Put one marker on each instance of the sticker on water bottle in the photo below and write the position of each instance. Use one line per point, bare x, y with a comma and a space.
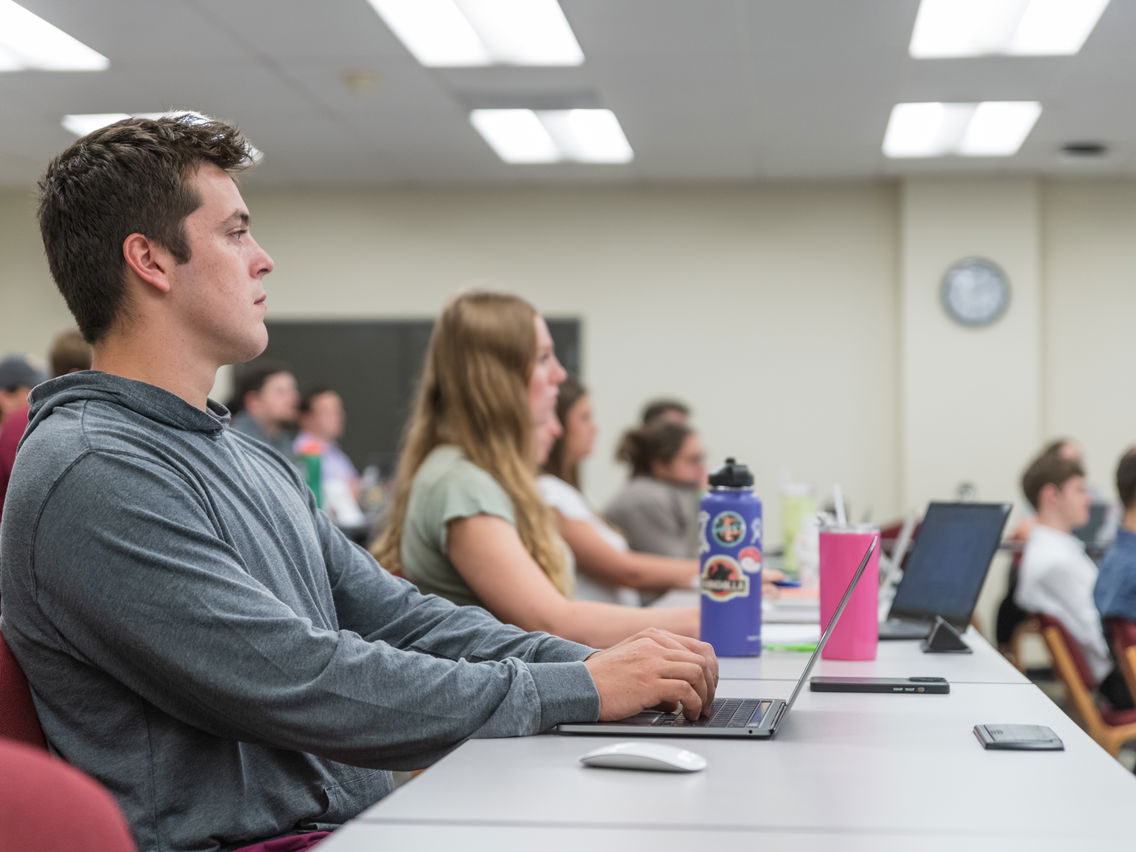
729, 529
755, 526
750, 558
703, 522
723, 579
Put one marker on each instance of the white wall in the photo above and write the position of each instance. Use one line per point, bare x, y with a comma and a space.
971, 396
771, 310
1088, 339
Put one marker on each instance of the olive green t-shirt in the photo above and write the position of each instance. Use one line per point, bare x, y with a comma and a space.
447, 486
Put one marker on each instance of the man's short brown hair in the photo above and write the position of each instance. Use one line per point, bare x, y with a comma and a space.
1048, 469
130, 177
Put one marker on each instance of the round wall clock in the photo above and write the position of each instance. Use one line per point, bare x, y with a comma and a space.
975, 292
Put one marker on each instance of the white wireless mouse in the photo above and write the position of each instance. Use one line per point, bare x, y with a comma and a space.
645, 755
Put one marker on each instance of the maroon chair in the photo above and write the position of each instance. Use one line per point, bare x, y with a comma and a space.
1122, 635
1110, 728
48, 806
18, 720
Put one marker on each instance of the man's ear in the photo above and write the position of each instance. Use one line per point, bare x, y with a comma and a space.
148, 260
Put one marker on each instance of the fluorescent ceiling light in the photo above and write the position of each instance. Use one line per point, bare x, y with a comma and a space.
517, 135
588, 135
987, 129
552, 136
83, 123
448, 33
998, 128
28, 42
954, 28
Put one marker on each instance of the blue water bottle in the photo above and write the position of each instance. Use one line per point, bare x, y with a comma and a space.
730, 561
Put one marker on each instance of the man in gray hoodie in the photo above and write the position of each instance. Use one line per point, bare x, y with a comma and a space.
195, 633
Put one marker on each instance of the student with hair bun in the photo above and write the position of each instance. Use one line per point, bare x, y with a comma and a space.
607, 569
467, 522
657, 510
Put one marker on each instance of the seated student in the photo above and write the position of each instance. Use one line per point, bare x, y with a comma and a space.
265, 404
1010, 615
195, 633
1115, 591
1056, 576
606, 569
466, 521
657, 510
322, 421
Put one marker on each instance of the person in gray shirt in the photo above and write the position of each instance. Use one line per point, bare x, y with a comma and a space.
657, 510
195, 633
266, 404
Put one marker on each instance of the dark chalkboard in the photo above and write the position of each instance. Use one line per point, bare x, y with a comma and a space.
374, 365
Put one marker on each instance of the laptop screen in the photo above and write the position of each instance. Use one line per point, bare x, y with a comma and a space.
836, 613
949, 561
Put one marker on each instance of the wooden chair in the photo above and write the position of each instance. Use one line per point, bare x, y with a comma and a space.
1110, 728
18, 720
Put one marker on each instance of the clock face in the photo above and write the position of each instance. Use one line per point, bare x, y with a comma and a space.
975, 292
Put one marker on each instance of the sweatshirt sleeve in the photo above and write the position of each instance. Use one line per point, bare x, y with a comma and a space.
148, 592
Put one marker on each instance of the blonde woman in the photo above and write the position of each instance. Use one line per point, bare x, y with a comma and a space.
467, 522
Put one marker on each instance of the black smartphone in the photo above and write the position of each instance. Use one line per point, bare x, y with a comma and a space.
916, 685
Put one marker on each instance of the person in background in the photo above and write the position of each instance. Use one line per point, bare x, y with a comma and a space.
665, 410
657, 510
467, 521
322, 421
69, 353
265, 404
607, 570
1115, 590
1056, 576
1010, 616
197, 635
17, 378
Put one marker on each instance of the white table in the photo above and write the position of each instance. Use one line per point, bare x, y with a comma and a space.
901, 658
373, 836
843, 764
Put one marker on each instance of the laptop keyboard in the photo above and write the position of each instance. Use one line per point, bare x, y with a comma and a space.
724, 713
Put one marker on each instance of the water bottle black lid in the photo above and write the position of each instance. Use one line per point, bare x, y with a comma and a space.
731, 475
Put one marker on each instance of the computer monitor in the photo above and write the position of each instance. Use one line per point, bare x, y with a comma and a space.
949, 561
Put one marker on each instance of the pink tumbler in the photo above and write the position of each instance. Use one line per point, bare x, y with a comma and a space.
858, 631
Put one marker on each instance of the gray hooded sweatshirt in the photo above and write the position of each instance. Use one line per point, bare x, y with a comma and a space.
200, 639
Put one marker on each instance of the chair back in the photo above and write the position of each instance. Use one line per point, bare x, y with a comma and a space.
18, 720
48, 806
1072, 668
1122, 634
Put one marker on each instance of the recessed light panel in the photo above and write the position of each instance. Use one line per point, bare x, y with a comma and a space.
516, 135
28, 42
552, 136
987, 129
455, 33
958, 28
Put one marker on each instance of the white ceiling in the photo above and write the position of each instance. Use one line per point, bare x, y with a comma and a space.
704, 89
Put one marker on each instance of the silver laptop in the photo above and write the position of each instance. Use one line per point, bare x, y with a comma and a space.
729, 717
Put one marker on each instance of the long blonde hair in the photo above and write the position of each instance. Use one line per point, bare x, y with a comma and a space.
474, 394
